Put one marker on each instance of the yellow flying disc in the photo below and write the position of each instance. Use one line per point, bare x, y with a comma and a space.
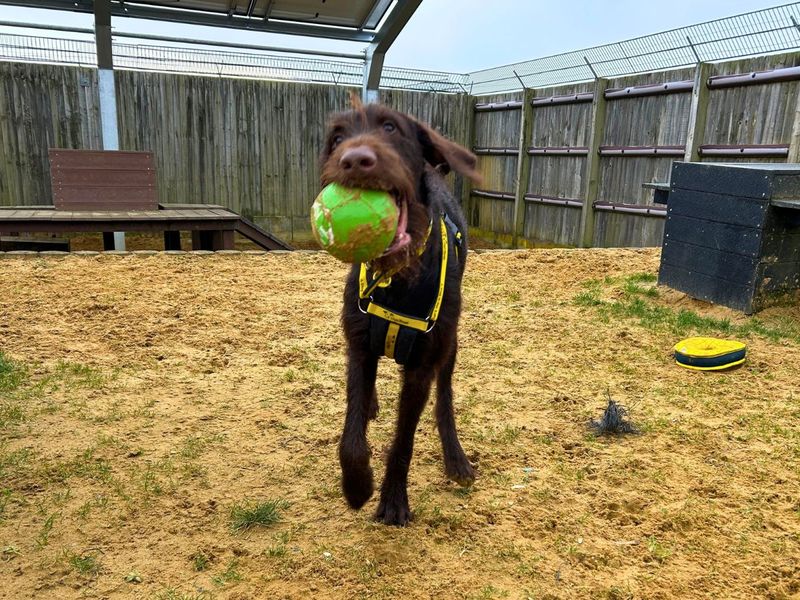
709, 354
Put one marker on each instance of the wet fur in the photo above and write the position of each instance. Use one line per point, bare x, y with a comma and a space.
410, 160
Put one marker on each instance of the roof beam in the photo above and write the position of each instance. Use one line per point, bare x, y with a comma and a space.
383, 39
394, 24
192, 17
376, 14
268, 9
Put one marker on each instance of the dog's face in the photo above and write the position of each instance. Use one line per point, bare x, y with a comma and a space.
375, 147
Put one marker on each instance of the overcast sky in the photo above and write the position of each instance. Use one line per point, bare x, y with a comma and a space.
467, 35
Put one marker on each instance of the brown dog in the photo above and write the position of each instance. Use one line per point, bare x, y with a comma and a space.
405, 304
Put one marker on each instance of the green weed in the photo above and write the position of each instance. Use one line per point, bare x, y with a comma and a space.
230, 574
247, 515
85, 564
200, 561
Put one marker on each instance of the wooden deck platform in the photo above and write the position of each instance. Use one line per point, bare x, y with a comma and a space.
212, 226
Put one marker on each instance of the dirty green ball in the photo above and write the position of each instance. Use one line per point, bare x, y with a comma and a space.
352, 224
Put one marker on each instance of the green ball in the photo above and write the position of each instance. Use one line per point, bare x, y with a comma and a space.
352, 224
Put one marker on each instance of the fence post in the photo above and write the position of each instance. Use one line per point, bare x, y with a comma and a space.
469, 142
523, 165
592, 168
794, 142
698, 112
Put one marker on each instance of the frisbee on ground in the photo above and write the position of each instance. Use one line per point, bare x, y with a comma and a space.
709, 354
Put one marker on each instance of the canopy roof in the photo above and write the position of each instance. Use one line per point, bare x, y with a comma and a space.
364, 21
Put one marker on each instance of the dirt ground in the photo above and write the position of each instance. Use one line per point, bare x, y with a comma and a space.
145, 397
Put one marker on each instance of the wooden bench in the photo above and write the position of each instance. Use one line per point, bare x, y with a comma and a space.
102, 181
110, 191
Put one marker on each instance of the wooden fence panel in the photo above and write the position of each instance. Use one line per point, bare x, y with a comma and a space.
42, 106
253, 145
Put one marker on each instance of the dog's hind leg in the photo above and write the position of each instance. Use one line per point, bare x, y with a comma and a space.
456, 464
393, 507
354, 454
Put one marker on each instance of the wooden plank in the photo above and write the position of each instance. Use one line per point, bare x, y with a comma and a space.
732, 267
92, 179
523, 167
723, 208
698, 112
749, 183
785, 203
705, 287
710, 234
592, 166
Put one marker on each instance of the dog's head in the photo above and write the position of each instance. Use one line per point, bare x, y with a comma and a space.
372, 146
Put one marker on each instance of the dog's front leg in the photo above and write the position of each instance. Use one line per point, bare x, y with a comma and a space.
393, 508
357, 483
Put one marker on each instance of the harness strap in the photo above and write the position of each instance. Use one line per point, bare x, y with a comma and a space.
394, 333
367, 287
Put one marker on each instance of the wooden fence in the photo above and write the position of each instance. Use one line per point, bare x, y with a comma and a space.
250, 145
566, 165
561, 165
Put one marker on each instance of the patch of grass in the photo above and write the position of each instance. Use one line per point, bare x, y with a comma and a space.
171, 593
489, 592
10, 552
635, 288
76, 375
85, 564
43, 538
657, 549
637, 294
591, 298
200, 561
230, 574
5, 498
246, 515
506, 435
278, 550
12, 374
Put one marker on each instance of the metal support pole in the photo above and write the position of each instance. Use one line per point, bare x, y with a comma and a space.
592, 169
698, 113
373, 66
106, 88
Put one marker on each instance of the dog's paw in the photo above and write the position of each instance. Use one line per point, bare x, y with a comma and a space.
460, 471
357, 487
393, 511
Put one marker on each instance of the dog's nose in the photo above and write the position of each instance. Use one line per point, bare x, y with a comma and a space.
360, 158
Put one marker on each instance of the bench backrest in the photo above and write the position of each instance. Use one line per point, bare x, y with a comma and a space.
103, 180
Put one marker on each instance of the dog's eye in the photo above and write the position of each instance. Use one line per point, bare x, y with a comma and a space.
389, 127
337, 139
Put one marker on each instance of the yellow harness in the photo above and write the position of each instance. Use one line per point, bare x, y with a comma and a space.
371, 284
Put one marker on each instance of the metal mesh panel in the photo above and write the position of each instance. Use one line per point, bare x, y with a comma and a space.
223, 63
760, 32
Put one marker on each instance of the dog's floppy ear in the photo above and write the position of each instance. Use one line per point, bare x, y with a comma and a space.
445, 155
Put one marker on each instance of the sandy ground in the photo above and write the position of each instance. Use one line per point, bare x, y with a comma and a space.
155, 393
